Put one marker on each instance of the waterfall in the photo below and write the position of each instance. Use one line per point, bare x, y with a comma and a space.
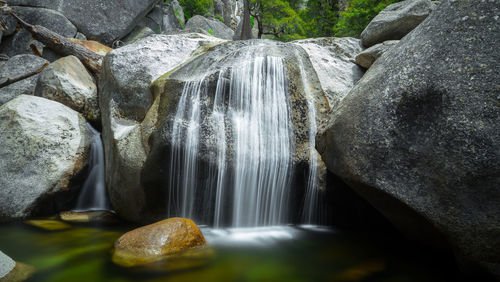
313, 201
93, 195
254, 145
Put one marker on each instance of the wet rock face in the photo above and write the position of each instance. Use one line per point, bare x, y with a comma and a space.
157, 241
209, 68
125, 99
44, 148
395, 21
418, 135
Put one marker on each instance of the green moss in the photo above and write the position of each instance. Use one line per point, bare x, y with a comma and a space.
219, 17
211, 31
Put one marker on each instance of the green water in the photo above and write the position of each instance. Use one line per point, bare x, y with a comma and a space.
82, 253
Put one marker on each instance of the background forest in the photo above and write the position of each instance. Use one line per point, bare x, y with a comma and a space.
297, 19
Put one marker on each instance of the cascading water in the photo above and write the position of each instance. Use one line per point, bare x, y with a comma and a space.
94, 195
313, 204
254, 169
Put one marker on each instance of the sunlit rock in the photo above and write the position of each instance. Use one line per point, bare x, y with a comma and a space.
157, 241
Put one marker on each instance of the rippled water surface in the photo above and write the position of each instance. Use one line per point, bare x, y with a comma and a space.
306, 253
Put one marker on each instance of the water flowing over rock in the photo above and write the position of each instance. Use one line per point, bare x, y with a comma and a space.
242, 112
395, 21
124, 100
93, 195
44, 149
418, 135
68, 82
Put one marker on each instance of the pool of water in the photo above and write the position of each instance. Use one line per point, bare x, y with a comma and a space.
302, 253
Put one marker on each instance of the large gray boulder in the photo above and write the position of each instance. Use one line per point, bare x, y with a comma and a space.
125, 99
418, 136
44, 149
173, 17
15, 68
367, 57
50, 19
212, 26
332, 60
101, 20
395, 21
68, 82
6, 264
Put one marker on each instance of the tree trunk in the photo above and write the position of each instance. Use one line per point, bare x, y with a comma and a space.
246, 26
62, 45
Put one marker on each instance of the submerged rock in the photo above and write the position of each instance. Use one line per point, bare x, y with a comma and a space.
418, 136
48, 224
88, 216
68, 82
395, 21
44, 148
212, 26
368, 56
157, 241
124, 100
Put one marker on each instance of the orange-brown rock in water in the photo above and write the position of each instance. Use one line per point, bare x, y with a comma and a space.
157, 241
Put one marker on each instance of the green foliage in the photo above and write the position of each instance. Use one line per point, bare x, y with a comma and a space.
219, 17
211, 31
278, 19
252, 21
358, 15
196, 7
320, 17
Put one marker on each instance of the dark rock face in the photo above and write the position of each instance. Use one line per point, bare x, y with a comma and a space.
395, 21
418, 136
104, 21
50, 19
366, 58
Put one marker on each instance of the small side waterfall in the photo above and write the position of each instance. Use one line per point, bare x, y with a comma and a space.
254, 145
93, 195
313, 207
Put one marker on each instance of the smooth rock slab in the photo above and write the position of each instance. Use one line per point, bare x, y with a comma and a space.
366, 58
44, 147
395, 21
157, 241
68, 82
332, 61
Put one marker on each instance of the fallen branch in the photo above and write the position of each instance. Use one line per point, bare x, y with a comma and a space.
60, 44
9, 81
